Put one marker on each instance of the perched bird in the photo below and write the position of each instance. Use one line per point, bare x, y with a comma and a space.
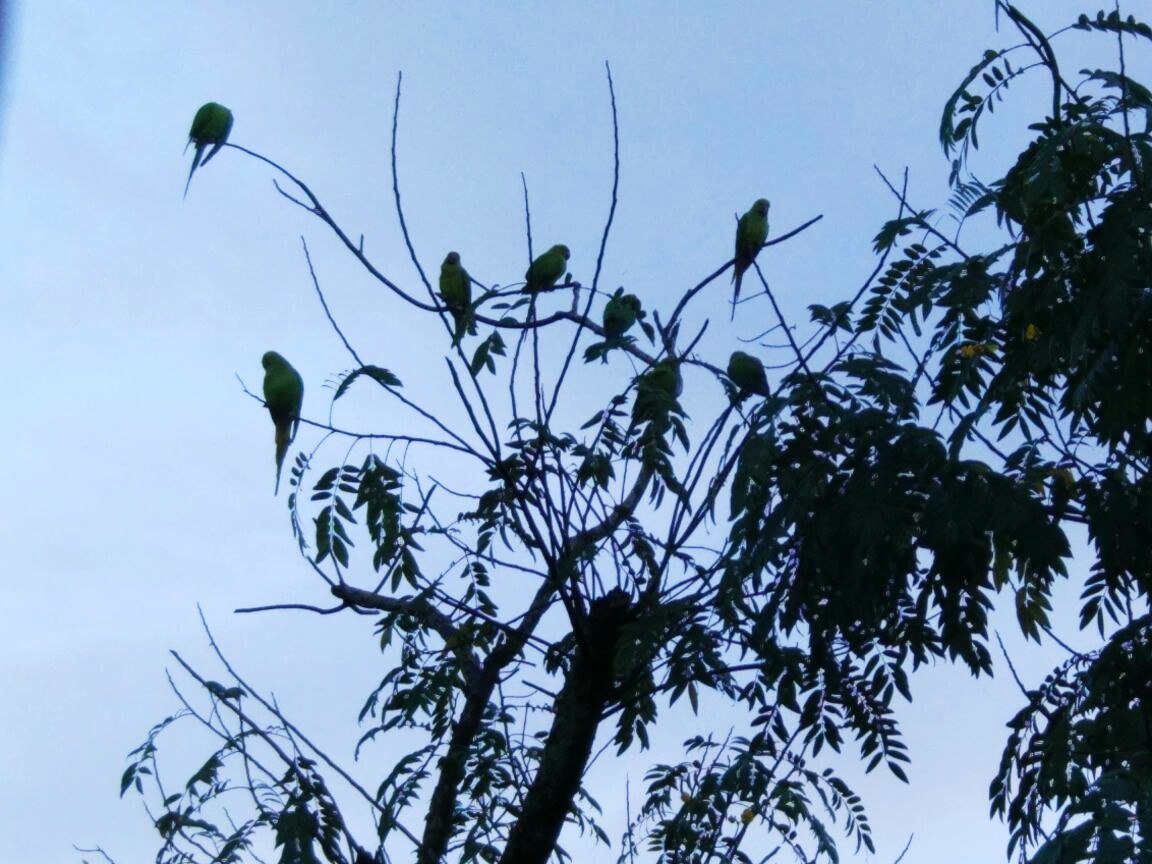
211, 125
546, 269
456, 292
664, 378
284, 397
751, 232
656, 393
620, 313
747, 373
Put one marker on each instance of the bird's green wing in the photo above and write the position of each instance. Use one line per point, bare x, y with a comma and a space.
210, 127
747, 373
751, 232
456, 291
546, 269
620, 313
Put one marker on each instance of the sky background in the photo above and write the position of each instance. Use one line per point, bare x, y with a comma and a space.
137, 476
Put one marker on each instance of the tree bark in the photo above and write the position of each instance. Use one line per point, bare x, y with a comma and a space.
579, 708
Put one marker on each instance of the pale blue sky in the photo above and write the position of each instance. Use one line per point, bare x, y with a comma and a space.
137, 477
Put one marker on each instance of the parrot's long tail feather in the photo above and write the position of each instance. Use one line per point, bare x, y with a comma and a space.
212, 152
282, 442
189, 181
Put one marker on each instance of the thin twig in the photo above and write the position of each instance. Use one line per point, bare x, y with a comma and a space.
324, 303
699, 286
351, 781
373, 436
1011, 667
396, 196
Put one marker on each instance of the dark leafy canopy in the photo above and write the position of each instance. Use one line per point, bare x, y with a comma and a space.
883, 495
1045, 340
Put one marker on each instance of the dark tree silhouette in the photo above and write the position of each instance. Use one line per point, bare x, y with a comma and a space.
795, 554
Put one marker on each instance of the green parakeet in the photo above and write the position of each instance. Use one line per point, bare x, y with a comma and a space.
284, 397
456, 292
656, 392
747, 373
665, 378
211, 125
751, 232
546, 269
620, 313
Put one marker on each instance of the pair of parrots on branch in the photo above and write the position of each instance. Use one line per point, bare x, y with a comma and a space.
456, 284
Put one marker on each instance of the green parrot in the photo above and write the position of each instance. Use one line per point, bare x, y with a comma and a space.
620, 313
656, 392
747, 373
211, 125
284, 397
456, 292
664, 378
751, 232
546, 269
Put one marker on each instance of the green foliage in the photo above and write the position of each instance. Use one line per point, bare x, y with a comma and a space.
1111, 22
378, 374
486, 353
704, 807
1080, 749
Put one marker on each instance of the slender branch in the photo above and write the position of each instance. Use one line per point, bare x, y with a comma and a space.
280, 607
396, 196
351, 781
493, 445
1134, 159
600, 255
799, 355
372, 436
831, 329
1043, 47
615, 180
527, 216
699, 286
314, 207
324, 303
943, 238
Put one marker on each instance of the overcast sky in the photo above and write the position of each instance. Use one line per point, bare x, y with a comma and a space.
137, 476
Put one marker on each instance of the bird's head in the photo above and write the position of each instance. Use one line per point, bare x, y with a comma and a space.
562, 249
270, 359
452, 258
761, 206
